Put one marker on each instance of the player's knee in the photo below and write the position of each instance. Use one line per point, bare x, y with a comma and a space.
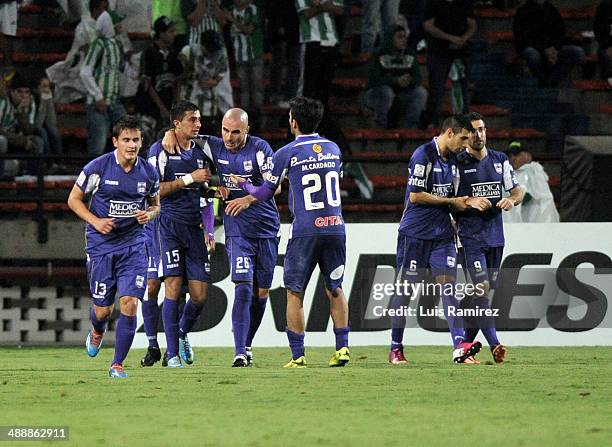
173, 286
103, 313
243, 291
129, 305
335, 293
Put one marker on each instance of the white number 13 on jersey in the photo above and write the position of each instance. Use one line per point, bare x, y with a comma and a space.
313, 185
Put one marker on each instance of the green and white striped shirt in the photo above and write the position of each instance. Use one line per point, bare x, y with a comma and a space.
247, 46
7, 114
319, 28
105, 58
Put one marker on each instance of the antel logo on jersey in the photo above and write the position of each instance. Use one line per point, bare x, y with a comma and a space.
413, 181
316, 148
120, 208
328, 221
490, 190
442, 190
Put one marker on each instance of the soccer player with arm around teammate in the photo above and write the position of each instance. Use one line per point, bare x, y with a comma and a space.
117, 185
251, 226
482, 173
313, 165
426, 236
183, 251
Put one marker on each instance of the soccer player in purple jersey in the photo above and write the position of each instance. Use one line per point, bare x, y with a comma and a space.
313, 165
482, 173
116, 185
251, 226
426, 236
182, 242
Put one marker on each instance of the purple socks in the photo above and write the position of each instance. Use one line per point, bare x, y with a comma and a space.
241, 315
124, 335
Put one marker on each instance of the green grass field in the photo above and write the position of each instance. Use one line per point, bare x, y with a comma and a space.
540, 397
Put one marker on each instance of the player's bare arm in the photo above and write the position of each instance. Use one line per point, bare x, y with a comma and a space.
145, 216
201, 175
516, 197
425, 198
479, 203
77, 204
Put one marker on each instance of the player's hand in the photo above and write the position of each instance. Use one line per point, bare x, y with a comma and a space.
104, 225
222, 192
201, 175
505, 204
479, 203
237, 206
170, 143
101, 106
237, 180
143, 217
209, 240
460, 203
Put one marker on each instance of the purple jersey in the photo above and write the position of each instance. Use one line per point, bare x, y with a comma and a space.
260, 220
184, 205
428, 173
313, 166
116, 194
483, 178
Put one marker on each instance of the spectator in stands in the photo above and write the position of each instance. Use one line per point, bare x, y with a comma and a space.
538, 204
66, 74
100, 74
160, 70
378, 16
207, 15
394, 83
247, 40
205, 65
172, 10
283, 34
539, 35
8, 28
318, 35
414, 12
603, 35
46, 120
449, 25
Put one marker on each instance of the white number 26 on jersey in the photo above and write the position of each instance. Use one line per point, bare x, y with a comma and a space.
313, 185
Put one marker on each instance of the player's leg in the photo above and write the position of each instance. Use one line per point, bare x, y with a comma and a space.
470, 324
299, 263
131, 271
443, 262
150, 307
332, 259
102, 285
493, 258
241, 255
197, 270
265, 262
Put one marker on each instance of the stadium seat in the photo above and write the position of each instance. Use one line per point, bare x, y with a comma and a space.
591, 84
606, 109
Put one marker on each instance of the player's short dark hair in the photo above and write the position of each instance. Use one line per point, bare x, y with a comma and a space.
456, 123
475, 116
127, 122
178, 110
95, 4
307, 112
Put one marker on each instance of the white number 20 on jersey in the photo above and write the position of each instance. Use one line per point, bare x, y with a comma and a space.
313, 185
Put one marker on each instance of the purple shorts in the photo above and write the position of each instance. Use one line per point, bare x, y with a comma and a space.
252, 259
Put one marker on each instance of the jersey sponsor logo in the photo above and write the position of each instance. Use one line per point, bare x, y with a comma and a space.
420, 182
328, 221
442, 190
320, 157
469, 171
490, 190
248, 165
231, 185
142, 187
272, 178
223, 162
111, 182
498, 167
419, 170
81, 179
317, 148
120, 208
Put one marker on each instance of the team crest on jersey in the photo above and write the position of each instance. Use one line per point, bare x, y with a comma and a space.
450, 261
317, 148
139, 281
200, 163
248, 165
142, 187
498, 167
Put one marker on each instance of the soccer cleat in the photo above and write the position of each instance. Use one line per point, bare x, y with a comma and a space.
240, 361
93, 342
172, 362
185, 350
116, 371
499, 353
465, 350
300, 362
340, 358
152, 356
249, 355
471, 361
396, 357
